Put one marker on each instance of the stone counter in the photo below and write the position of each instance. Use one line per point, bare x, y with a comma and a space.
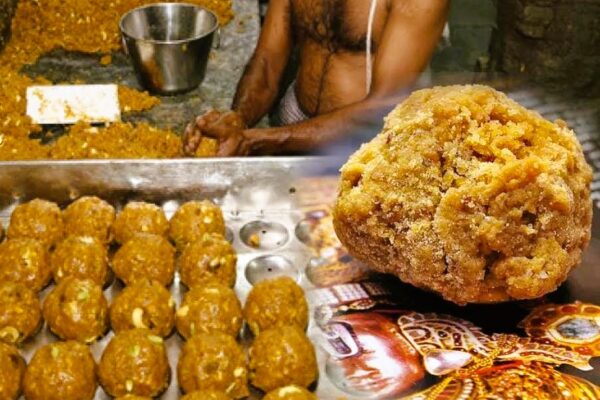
226, 64
555, 43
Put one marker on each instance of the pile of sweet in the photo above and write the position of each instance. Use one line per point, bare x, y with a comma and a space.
88, 26
83, 247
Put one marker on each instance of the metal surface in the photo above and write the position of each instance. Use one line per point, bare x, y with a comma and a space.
253, 193
169, 44
242, 183
270, 266
264, 235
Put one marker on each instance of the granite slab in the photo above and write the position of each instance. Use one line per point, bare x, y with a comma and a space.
226, 64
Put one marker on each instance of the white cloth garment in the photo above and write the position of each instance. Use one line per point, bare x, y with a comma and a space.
289, 111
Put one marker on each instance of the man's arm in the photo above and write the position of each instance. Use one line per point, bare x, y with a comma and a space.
412, 31
258, 88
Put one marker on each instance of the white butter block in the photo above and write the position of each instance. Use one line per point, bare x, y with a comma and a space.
68, 104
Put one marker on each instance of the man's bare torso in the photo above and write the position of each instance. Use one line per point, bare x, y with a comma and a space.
331, 35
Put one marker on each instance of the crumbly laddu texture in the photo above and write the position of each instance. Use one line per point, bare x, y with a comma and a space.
209, 308
21, 149
291, 392
61, 371
208, 147
468, 194
25, 261
13, 104
83, 257
19, 135
117, 140
282, 356
20, 314
206, 395
193, 220
208, 260
131, 100
87, 26
90, 216
213, 361
40, 26
276, 302
11, 373
145, 256
37, 219
144, 304
139, 217
76, 309
135, 362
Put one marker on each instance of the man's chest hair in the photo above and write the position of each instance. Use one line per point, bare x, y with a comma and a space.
337, 24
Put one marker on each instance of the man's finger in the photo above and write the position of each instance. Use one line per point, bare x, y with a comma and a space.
188, 131
228, 148
217, 131
191, 139
232, 118
212, 116
200, 122
191, 146
187, 149
211, 133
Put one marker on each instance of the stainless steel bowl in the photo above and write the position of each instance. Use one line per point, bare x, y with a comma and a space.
169, 44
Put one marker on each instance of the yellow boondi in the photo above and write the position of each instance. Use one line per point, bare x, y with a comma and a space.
16, 128
14, 149
468, 194
88, 26
120, 140
131, 100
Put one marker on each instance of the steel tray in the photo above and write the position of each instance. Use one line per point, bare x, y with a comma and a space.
257, 195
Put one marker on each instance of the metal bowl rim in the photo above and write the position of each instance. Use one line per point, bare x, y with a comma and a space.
179, 41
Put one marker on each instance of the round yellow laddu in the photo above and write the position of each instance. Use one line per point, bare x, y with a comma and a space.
470, 195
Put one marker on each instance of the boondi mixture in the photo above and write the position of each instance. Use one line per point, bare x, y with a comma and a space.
87, 26
119, 140
468, 194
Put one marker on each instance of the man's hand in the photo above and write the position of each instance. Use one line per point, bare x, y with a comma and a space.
227, 128
193, 132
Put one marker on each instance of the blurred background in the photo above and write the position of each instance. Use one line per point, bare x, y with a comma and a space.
550, 42
543, 53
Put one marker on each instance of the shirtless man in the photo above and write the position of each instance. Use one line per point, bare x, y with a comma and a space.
338, 87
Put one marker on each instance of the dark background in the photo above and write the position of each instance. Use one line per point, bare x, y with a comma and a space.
555, 43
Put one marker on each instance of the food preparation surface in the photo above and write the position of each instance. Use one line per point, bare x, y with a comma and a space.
225, 66
286, 255
258, 199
